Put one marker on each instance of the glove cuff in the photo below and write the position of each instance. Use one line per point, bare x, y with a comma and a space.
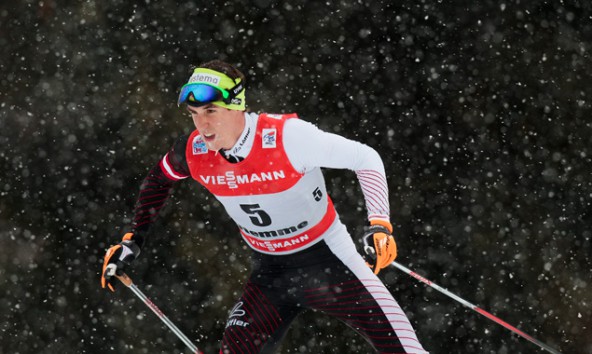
383, 223
131, 247
368, 237
134, 236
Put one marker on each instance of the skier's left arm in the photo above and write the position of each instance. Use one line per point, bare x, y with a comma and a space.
308, 147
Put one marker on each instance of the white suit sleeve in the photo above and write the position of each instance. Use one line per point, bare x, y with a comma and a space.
308, 147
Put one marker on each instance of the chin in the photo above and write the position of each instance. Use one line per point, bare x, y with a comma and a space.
211, 147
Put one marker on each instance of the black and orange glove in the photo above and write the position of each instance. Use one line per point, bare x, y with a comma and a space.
118, 256
379, 244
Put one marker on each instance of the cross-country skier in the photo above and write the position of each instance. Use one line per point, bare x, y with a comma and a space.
265, 169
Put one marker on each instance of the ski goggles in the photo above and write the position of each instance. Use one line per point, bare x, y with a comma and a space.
207, 86
200, 94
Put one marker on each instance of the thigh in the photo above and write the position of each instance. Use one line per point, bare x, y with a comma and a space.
257, 323
356, 296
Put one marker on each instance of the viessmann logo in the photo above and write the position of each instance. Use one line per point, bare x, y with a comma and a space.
232, 180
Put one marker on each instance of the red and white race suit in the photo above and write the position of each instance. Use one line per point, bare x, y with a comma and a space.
304, 257
278, 209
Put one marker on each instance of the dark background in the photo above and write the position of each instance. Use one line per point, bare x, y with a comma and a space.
480, 110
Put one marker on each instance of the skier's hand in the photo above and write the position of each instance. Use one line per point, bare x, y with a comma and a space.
117, 257
379, 244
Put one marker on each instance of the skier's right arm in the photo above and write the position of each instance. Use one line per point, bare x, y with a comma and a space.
154, 192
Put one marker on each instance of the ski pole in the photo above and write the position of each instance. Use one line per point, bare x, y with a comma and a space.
475, 308
127, 281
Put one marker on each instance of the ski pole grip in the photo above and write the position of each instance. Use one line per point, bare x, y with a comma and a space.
127, 281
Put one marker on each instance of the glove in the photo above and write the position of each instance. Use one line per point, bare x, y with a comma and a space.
118, 256
379, 244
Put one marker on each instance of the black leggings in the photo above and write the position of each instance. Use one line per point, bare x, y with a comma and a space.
281, 287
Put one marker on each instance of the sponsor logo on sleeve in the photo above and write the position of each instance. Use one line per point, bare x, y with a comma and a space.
269, 138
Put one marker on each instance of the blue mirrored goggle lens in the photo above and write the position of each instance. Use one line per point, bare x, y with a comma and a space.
198, 94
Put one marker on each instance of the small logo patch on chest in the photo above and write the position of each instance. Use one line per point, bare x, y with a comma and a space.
269, 138
198, 146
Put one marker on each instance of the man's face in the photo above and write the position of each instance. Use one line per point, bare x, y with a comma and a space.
219, 127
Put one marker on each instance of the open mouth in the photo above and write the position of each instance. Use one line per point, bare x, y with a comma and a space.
209, 137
